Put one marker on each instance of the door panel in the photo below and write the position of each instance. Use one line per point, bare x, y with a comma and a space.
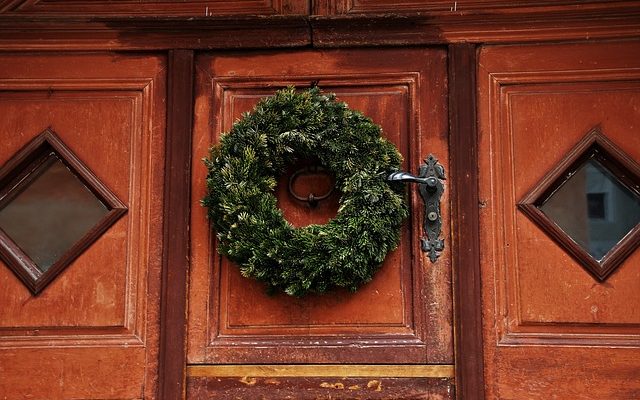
551, 329
101, 312
404, 314
321, 315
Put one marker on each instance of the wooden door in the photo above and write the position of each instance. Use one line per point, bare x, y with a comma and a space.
90, 329
555, 328
402, 317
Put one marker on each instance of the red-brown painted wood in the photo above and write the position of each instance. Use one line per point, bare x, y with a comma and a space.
97, 322
501, 25
405, 314
339, 7
550, 328
373, 388
188, 8
466, 242
577, 21
594, 145
560, 322
20, 170
175, 258
158, 33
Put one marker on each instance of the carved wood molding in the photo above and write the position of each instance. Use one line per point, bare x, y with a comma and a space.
42, 32
128, 7
345, 7
503, 86
22, 171
227, 338
466, 238
488, 27
141, 95
220, 331
594, 146
153, 33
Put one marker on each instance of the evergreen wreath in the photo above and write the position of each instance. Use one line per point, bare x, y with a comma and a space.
252, 231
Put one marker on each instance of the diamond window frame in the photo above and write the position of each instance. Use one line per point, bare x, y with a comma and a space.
23, 168
594, 146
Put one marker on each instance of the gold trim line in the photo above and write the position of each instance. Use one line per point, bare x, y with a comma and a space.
326, 370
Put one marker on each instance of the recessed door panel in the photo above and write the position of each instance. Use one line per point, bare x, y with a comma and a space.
250, 311
71, 339
559, 126
404, 314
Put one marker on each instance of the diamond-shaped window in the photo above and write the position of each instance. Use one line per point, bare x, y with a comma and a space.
590, 204
52, 207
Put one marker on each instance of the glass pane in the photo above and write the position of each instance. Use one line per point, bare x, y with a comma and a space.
594, 209
51, 213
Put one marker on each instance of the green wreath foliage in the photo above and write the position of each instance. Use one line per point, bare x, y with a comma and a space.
252, 232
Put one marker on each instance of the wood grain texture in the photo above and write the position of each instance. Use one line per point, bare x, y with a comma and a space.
74, 373
254, 313
404, 314
153, 8
26, 110
336, 7
487, 25
465, 238
162, 33
175, 258
301, 388
550, 328
101, 313
596, 146
614, 19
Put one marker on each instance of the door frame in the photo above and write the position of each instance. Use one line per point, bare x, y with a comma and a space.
465, 213
463, 136
176, 214
614, 20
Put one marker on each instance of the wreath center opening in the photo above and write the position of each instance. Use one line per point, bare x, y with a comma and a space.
307, 194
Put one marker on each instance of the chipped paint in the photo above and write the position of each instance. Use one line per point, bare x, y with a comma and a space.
248, 380
375, 384
337, 385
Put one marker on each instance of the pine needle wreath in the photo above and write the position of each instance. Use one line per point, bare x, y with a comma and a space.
251, 229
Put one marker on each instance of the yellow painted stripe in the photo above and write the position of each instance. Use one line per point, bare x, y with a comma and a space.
327, 370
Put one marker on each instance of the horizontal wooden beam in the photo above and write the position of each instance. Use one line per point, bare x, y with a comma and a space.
152, 33
490, 26
322, 370
617, 20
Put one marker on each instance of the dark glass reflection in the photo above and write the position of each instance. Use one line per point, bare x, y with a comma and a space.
594, 209
52, 213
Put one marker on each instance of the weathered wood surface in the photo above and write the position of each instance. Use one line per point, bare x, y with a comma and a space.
73, 339
552, 330
281, 388
404, 315
84, 30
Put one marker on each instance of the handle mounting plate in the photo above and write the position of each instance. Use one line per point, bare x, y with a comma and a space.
430, 184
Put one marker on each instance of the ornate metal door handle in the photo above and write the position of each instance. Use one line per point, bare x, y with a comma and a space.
429, 180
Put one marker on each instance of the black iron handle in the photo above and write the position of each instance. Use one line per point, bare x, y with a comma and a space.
429, 180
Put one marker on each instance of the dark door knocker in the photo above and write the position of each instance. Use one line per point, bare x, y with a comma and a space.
429, 180
311, 199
